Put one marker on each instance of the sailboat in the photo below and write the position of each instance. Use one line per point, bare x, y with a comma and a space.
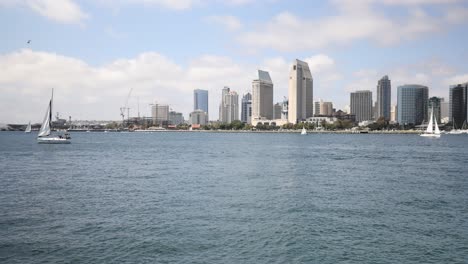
44, 136
454, 130
303, 131
28, 128
430, 131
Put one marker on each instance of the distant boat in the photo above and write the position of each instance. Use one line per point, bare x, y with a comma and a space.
44, 136
464, 128
430, 131
304, 131
28, 128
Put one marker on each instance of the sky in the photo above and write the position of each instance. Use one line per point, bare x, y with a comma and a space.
93, 52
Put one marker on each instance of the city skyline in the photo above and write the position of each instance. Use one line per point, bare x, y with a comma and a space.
92, 56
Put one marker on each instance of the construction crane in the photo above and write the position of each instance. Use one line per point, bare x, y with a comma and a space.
122, 109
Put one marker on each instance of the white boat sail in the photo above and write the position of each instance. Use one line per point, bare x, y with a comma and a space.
44, 135
28, 128
430, 131
454, 130
304, 131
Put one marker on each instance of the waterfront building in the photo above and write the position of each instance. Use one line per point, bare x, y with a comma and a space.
200, 100
361, 105
323, 108
277, 110
412, 104
198, 117
175, 118
246, 108
384, 96
229, 107
284, 109
435, 104
458, 104
160, 114
444, 111
393, 113
301, 103
317, 108
262, 96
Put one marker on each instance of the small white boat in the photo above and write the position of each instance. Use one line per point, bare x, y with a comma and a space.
303, 131
44, 136
430, 131
28, 128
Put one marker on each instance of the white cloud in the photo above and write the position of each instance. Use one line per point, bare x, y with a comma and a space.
87, 92
230, 22
64, 11
355, 20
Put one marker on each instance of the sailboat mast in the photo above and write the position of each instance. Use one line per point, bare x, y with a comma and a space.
50, 111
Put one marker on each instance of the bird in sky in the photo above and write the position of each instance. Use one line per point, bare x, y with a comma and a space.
29, 41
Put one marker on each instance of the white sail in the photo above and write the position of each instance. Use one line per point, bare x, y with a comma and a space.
304, 131
429, 126
28, 128
437, 131
45, 128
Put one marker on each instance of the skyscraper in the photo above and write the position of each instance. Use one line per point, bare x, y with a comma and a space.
301, 103
384, 96
246, 108
200, 100
262, 96
361, 105
458, 104
229, 107
277, 110
412, 104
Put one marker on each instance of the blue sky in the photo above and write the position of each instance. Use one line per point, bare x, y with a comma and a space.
93, 52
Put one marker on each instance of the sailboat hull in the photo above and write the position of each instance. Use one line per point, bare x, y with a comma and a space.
53, 140
430, 135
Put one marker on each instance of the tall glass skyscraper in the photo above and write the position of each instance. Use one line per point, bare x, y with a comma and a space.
412, 104
262, 96
200, 100
246, 108
458, 111
384, 96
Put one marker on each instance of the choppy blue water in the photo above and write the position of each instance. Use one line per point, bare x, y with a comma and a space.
234, 198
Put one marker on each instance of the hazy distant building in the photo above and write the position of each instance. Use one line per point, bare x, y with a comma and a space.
160, 114
229, 107
176, 118
458, 111
277, 110
317, 108
301, 103
384, 97
246, 108
262, 96
198, 117
444, 111
412, 104
200, 100
435, 104
393, 113
361, 105
323, 108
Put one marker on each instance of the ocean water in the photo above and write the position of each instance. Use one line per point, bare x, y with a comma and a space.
234, 198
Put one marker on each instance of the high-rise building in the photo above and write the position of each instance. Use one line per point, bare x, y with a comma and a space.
434, 103
458, 104
160, 114
262, 96
200, 100
175, 118
246, 108
198, 117
361, 105
412, 104
229, 107
384, 97
284, 110
444, 111
394, 113
277, 110
301, 101
317, 108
